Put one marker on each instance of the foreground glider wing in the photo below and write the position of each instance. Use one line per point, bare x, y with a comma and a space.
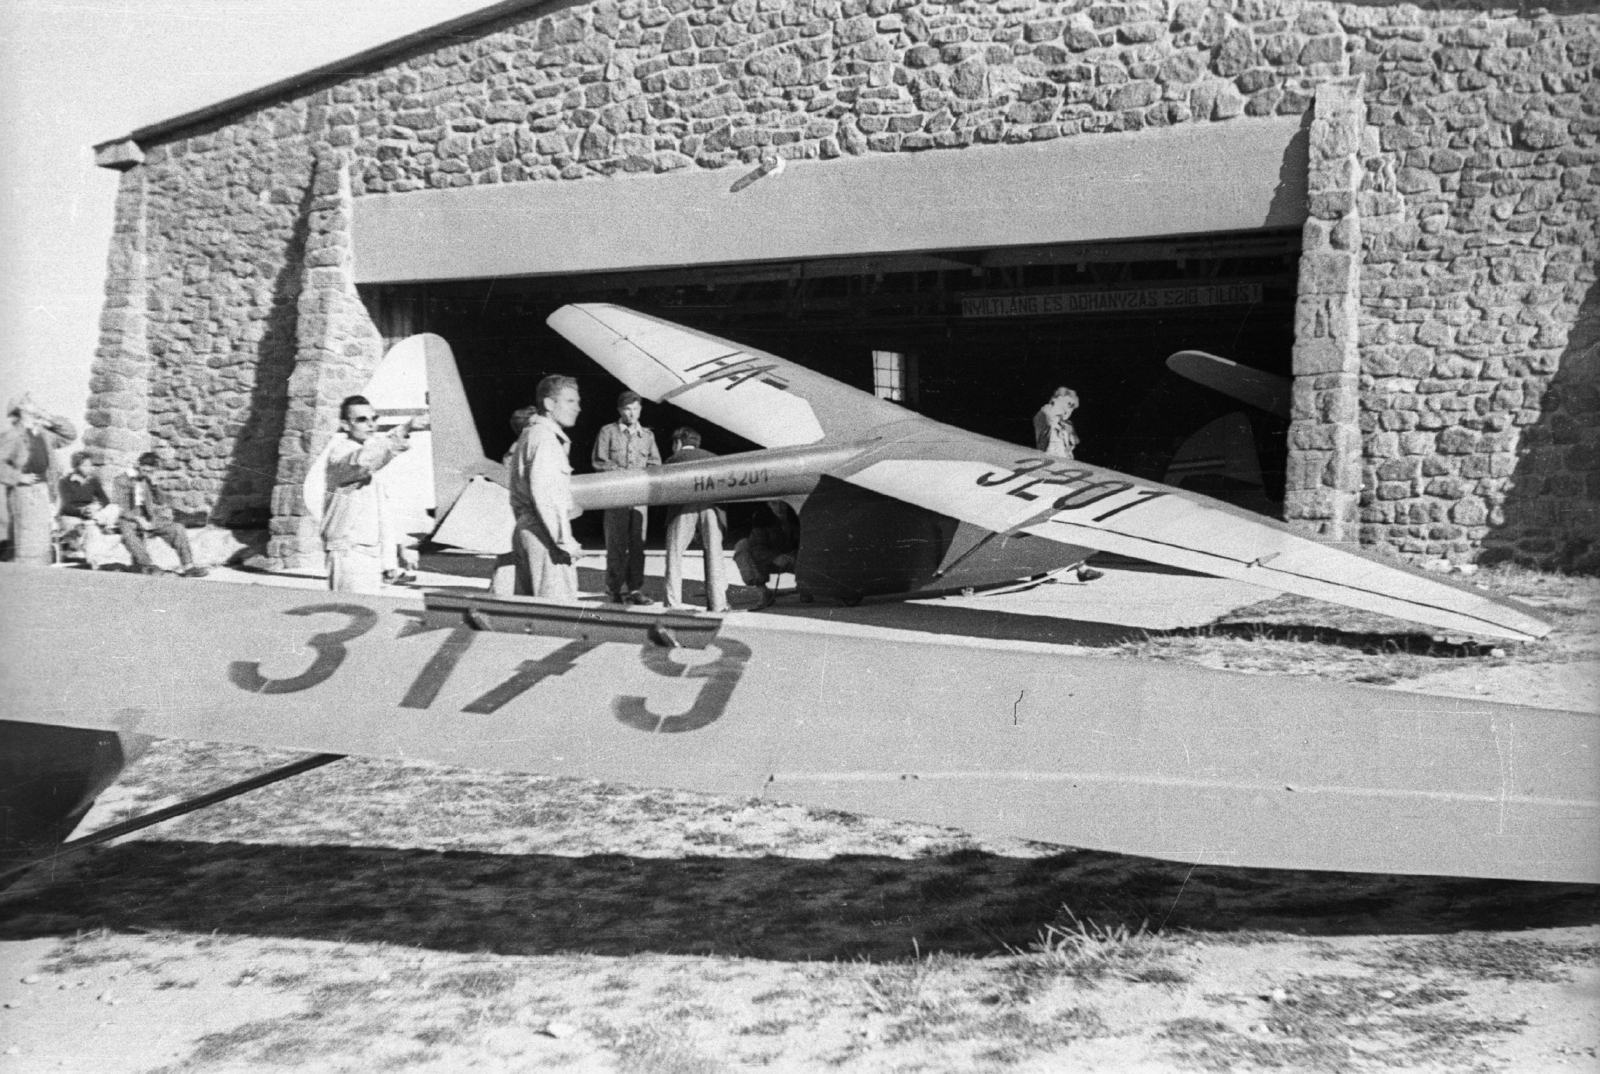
1002, 738
1005, 489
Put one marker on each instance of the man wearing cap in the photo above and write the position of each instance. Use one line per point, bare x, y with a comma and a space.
28, 473
625, 444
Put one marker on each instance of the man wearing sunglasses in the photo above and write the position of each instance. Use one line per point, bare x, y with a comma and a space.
354, 524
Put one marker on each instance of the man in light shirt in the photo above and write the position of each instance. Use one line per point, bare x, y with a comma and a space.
354, 522
539, 469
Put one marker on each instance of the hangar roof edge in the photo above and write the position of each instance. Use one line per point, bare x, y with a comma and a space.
365, 58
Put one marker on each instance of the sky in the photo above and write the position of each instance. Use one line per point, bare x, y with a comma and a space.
77, 72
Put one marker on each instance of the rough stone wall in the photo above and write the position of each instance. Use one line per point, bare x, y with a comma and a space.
657, 86
1478, 208
199, 334
338, 349
1323, 479
1461, 108
119, 389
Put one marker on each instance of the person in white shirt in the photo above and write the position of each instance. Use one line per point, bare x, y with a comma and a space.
539, 470
354, 522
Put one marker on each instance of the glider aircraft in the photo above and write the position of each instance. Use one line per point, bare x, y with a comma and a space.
992, 736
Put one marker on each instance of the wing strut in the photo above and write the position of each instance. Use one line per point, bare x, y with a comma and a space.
105, 835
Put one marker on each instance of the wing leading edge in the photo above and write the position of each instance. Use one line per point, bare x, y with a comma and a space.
1005, 489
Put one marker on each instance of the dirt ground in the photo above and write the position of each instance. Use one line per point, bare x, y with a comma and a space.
385, 916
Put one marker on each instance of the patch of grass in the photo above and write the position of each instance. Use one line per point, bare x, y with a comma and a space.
899, 988
89, 948
653, 1049
1019, 1037
1190, 1029
477, 983
944, 887
767, 1027
1489, 958
230, 1045
773, 995
1158, 975
173, 983
1086, 952
1338, 1025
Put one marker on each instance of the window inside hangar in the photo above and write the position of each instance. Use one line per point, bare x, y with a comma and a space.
975, 338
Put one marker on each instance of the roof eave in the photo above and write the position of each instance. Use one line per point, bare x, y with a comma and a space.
110, 154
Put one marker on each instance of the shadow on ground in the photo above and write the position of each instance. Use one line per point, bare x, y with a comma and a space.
772, 908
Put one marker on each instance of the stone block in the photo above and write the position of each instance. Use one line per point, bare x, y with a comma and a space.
1400, 469
1236, 54
1538, 130
1418, 442
1328, 273
1316, 356
1458, 440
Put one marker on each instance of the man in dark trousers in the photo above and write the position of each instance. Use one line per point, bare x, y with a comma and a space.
684, 522
144, 509
625, 444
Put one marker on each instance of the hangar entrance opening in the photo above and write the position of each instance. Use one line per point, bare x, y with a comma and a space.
978, 339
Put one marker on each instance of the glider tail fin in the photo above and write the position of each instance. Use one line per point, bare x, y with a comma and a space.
457, 449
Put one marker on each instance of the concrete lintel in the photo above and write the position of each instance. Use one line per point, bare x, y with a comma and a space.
119, 156
1209, 177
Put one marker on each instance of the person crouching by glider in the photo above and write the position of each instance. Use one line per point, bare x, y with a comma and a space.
353, 519
770, 550
539, 472
143, 508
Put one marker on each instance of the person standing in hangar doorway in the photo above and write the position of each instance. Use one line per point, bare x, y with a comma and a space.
683, 522
354, 522
1053, 433
626, 444
539, 472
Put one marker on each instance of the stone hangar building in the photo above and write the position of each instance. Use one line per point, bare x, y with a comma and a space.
960, 205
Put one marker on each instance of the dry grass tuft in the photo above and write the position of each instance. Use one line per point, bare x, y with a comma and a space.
1504, 958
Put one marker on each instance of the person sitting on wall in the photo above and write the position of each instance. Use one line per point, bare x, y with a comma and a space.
354, 522
86, 511
625, 444
28, 472
144, 508
1053, 433
683, 522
